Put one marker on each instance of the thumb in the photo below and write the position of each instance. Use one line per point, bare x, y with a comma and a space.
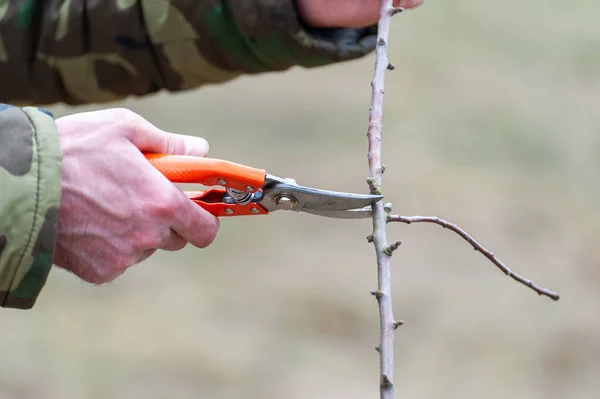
410, 3
179, 144
149, 138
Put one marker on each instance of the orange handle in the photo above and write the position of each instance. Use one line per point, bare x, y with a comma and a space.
207, 171
220, 209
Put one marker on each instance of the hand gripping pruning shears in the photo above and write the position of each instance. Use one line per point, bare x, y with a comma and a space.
251, 191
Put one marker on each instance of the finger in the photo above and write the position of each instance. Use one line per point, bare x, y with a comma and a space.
410, 3
149, 138
174, 144
194, 224
344, 13
173, 242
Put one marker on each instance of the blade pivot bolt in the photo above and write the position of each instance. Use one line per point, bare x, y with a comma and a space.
221, 182
228, 211
286, 202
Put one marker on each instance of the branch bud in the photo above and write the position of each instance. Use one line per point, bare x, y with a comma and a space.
386, 382
377, 294
396, 10
397, 324
375, 189
390, 250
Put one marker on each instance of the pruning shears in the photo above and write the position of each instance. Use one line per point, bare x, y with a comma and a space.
250, 191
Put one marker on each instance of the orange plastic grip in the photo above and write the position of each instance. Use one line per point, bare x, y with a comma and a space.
207, 171
220, 209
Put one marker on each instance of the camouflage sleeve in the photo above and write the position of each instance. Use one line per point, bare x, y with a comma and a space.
84, 51
30, 170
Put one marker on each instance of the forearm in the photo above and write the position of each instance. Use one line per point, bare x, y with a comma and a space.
30, 170
84, 52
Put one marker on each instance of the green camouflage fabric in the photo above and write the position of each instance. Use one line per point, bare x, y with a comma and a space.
30, 168
81, 52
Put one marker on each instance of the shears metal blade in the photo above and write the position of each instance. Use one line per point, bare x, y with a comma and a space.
251, 191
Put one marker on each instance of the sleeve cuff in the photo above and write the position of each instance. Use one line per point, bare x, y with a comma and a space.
34, 262
278, 38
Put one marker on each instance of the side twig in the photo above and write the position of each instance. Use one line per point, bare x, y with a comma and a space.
379, 238
477, 247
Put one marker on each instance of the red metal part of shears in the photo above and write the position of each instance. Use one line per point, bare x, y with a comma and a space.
251, 191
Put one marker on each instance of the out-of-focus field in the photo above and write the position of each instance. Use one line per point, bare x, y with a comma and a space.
492, 120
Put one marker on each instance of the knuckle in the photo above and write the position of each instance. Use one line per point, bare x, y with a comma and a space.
127, 120
164, 206
124, 261
145, 239
102, 266
123, 115
102, 274
171, 144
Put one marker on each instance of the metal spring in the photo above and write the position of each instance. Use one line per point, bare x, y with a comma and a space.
240, 197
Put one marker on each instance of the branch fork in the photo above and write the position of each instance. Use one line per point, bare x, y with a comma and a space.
380, 211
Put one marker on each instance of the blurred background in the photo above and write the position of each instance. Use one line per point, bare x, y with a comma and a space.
492, 120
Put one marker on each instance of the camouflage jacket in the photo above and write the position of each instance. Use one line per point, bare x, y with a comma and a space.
78, 52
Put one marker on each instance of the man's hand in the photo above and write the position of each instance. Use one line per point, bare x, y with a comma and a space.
345, 13
116, 209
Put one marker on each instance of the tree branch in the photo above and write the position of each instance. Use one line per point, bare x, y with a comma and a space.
379, 239
477, 247
380, 211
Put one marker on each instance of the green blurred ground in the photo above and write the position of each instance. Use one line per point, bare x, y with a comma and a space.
491, 120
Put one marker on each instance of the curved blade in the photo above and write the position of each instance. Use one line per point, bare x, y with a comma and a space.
311, 200
358, 213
